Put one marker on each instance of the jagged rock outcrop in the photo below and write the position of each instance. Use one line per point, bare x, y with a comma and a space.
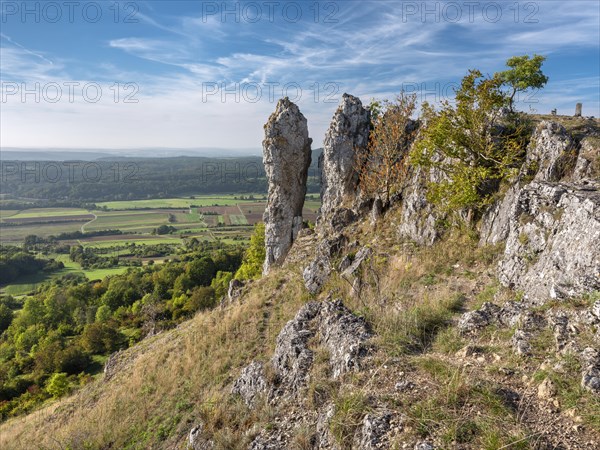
553, 247
341, 333
251, 383
286, 156
590, 378
346, 138
419, 219
587, 166
551, 154
374, 428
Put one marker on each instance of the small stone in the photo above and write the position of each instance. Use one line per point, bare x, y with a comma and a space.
546, 390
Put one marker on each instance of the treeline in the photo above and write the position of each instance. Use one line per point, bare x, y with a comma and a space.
16, 262
79, 183
49, 343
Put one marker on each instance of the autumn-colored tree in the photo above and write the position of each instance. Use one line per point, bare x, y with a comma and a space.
382, 166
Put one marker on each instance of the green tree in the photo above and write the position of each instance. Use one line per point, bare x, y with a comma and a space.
201, 271
524, 73
6, 317
100, 338
472, 143
103, 314
254, 257
220, 283
58, 385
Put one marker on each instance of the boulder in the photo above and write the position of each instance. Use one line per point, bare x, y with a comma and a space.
286, 156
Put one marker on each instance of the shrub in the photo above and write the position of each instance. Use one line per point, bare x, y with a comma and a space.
58, 385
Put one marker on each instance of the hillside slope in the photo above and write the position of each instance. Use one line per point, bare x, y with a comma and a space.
365, 339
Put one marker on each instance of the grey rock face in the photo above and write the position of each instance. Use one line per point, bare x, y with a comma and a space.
587, 166
197, 441
418, 215
344, 335
373, 430
590, 378
235, 290
251, 383
551, 155
292, 358
496, 220
520, 343
286, 156
473, 321
550, 152
361, 256
553, 247
347, 136
316, 274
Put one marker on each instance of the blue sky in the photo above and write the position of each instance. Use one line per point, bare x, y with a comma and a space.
193, 74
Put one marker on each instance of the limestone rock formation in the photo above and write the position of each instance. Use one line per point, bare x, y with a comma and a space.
553, 247
418, 215
343, 334
251, 383
347, 136
551, 151
286, 156
550, 156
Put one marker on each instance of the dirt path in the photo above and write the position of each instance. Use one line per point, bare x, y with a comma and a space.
87, 223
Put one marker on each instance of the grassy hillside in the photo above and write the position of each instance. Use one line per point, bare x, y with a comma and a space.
460, 395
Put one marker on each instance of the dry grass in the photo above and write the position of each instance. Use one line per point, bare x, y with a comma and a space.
173, 380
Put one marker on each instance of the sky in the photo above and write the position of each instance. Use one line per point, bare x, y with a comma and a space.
195, 74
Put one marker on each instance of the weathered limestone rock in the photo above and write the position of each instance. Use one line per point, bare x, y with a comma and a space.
553, 247
587, 166
419, 218
590, 379
343, 334
234, 291
473, 321
286, 156
373, 431
251, 383
550, 156
550, 152
197, 440
347, 136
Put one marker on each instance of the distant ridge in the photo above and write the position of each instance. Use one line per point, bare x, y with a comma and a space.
57, 154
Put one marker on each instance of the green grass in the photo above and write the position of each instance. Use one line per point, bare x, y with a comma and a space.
16, 233
238, 219
49, 212
221, 200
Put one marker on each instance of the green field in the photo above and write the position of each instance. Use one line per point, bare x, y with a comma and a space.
48, 212
142, 217
220, 200
28, 284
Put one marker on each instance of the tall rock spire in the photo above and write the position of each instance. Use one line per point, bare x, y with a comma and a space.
287, 157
